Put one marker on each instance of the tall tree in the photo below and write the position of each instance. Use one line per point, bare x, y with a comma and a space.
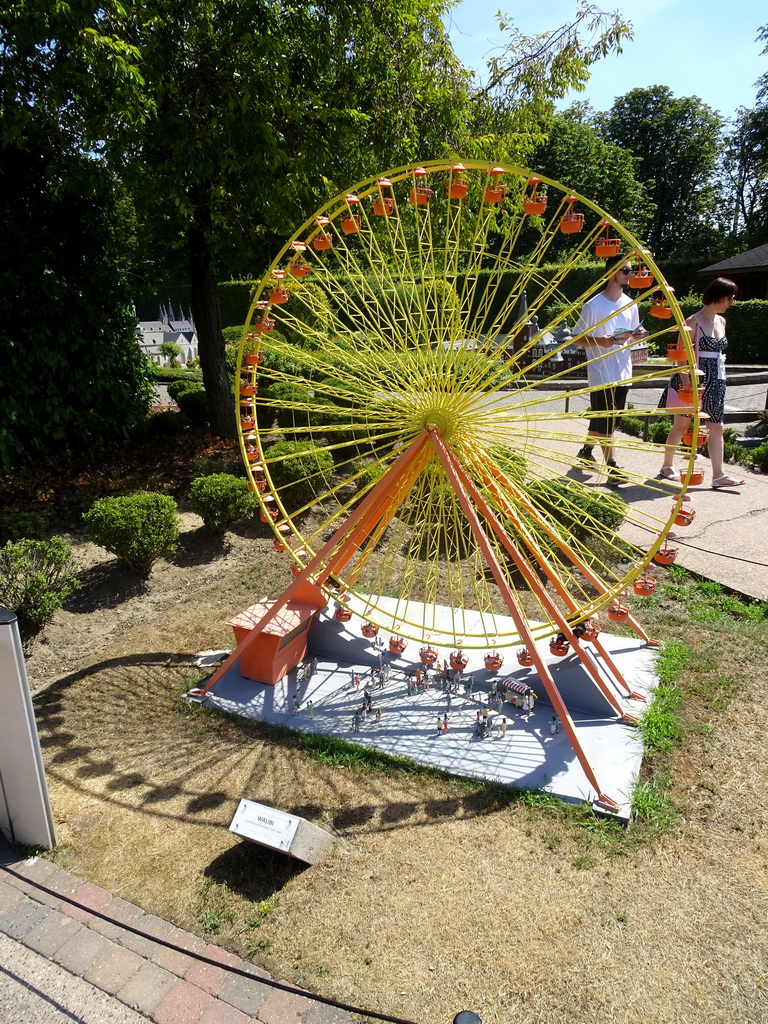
744, 178
576, 155
515, 100
74, 380
676, 142
261, 108
73, 376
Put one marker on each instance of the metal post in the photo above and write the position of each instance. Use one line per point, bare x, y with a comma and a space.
25, 807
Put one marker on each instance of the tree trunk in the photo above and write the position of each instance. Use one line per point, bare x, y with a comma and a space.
205, 308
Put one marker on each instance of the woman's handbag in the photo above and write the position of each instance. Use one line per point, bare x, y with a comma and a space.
674, 403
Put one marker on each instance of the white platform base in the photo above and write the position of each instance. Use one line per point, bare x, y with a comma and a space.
528, 757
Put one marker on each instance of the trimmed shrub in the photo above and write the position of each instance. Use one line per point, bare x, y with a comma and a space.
367, 480
36, 577
300, 469
632, 425
136, 528
18, 524
659, 429
164, 374
194, 404
581, 511
265, 411
178, 387
760, 457
221, 500
509, 462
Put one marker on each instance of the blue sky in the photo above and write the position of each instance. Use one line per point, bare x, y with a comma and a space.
696, 47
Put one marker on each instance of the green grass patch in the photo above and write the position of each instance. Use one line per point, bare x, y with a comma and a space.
651, 806
673, 658
661, 723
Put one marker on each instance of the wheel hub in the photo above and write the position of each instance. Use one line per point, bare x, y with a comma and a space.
438, 419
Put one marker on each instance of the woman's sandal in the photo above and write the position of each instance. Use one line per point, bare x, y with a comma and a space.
670, 473
726, 481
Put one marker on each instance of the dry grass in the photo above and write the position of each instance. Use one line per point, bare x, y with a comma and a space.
439, 895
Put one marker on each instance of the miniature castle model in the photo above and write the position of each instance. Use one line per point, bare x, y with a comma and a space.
151, 334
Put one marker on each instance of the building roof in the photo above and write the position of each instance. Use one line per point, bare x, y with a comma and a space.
753, 261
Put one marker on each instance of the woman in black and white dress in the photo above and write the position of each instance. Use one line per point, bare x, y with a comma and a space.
708, 327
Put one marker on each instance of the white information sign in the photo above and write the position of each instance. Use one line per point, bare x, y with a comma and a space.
265, 825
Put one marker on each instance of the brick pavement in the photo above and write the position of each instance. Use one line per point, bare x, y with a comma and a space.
168, 986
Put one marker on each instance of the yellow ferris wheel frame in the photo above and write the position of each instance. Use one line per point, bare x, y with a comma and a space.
407, 349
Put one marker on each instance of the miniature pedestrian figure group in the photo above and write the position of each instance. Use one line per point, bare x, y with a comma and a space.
418, 680
484, 725
306, 669
554, 725
442, 724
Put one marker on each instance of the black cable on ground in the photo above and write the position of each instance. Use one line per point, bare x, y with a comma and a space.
706, 551
207, 960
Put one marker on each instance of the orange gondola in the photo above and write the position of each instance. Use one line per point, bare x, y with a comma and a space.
458, 661
298, 268
618, 612
493, 661
383, 205
698, 439
419, 194
428, 655
660, 307
591, 633
605, 246
524, 658
369, 630
571, 223
665, 556
685, 516
641, 278
456, 187
495, 191
676, 352
279, 295
352, 223
645, 585
324, 240
397, 645
559, 647
535, 202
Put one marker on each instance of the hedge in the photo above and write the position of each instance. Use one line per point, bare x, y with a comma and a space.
748, 320
165, 374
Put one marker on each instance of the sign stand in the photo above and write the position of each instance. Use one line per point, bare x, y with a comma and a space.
25, 807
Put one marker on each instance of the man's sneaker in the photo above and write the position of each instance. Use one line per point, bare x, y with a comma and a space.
586, 453
616, 474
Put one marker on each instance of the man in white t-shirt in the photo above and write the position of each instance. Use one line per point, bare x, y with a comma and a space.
607, 325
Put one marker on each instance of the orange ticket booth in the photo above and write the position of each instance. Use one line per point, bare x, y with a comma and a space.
282, 643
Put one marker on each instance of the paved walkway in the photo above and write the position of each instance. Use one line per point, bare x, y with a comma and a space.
726, 541
99, 959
